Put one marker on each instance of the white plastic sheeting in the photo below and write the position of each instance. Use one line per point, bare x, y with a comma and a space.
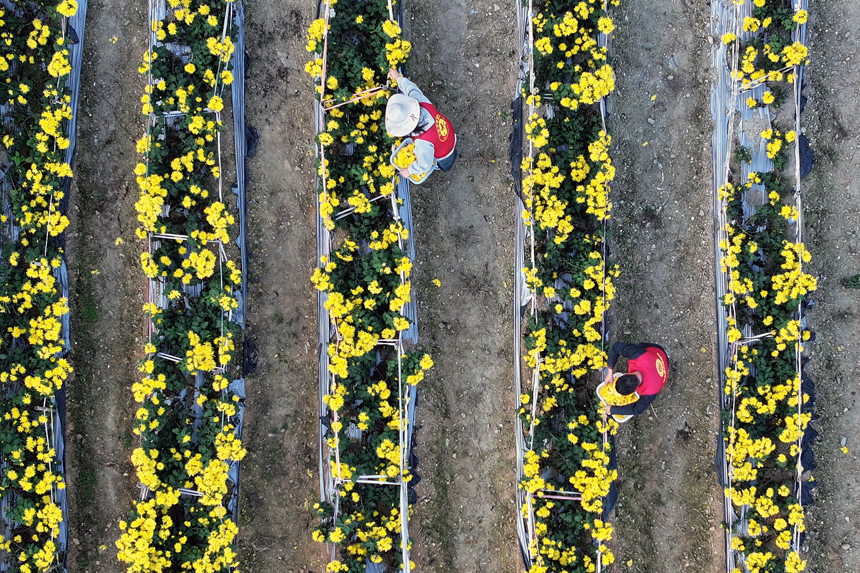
407, 394
733, 119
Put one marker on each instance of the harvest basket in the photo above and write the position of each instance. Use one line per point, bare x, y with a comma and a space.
417, 179
619, 419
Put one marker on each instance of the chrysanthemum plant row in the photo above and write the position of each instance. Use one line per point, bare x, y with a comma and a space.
767, 410
36, 67
566, 180
187, 415
365, 282
767, 51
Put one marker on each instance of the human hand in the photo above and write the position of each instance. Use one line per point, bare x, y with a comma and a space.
404, 171
394, 74
610, 373
607, 410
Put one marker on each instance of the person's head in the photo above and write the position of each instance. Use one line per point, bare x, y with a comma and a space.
627, 384
401, 115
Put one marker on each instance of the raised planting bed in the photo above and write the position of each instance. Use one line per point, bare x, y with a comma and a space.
563, 173
765, 455
368, 371
41, 68
191, 393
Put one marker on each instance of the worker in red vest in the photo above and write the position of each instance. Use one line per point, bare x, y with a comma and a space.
647, 372
410, 114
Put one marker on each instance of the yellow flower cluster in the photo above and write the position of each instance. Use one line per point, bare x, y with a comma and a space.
36, 69
793, 284
594, 484
397, 50
316, 32
539, 188
189, 443
775, 140
611, 396
566, 36
543, 183
365, 280
771, 50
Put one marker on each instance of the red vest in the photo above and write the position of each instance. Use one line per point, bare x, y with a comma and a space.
654, 366
441, 134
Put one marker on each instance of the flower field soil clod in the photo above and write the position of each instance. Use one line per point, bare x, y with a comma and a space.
189, 415
564, 289
367, 374
38, 116
766, 398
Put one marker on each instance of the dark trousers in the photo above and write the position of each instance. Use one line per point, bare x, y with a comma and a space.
446, 163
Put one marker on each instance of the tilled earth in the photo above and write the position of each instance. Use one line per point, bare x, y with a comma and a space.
669, 507
669, 512
832, 200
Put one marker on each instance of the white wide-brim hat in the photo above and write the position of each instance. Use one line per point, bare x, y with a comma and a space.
401, 115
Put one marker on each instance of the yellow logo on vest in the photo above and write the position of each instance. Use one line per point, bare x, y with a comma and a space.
661, 368
441, 127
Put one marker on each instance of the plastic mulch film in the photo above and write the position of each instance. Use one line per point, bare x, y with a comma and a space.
738, 124
54, 430
401, 206
239, 127
523, 297
236, 389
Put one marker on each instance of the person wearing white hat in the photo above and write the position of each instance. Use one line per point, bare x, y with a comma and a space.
410, 114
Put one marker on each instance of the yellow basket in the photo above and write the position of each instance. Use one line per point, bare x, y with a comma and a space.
619, 419
413, 178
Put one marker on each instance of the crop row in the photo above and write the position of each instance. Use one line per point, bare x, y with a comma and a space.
566, 178
767, 407
188, 409
38, 116
365, 291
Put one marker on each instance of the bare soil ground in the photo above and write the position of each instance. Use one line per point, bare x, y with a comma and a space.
280, 481
464, 57
832, 199
106, 285
669, 506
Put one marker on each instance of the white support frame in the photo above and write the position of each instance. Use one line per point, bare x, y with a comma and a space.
526, 531
725, 105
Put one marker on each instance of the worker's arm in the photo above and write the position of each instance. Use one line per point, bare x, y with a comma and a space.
626, 350
409, 89
424, 153
635, 408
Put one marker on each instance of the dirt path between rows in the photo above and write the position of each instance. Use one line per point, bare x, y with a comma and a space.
669, 506
280, 481
106, 285
832, 200
463, 57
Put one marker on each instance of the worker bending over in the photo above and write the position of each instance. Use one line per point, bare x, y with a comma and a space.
410, 114
647, 372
